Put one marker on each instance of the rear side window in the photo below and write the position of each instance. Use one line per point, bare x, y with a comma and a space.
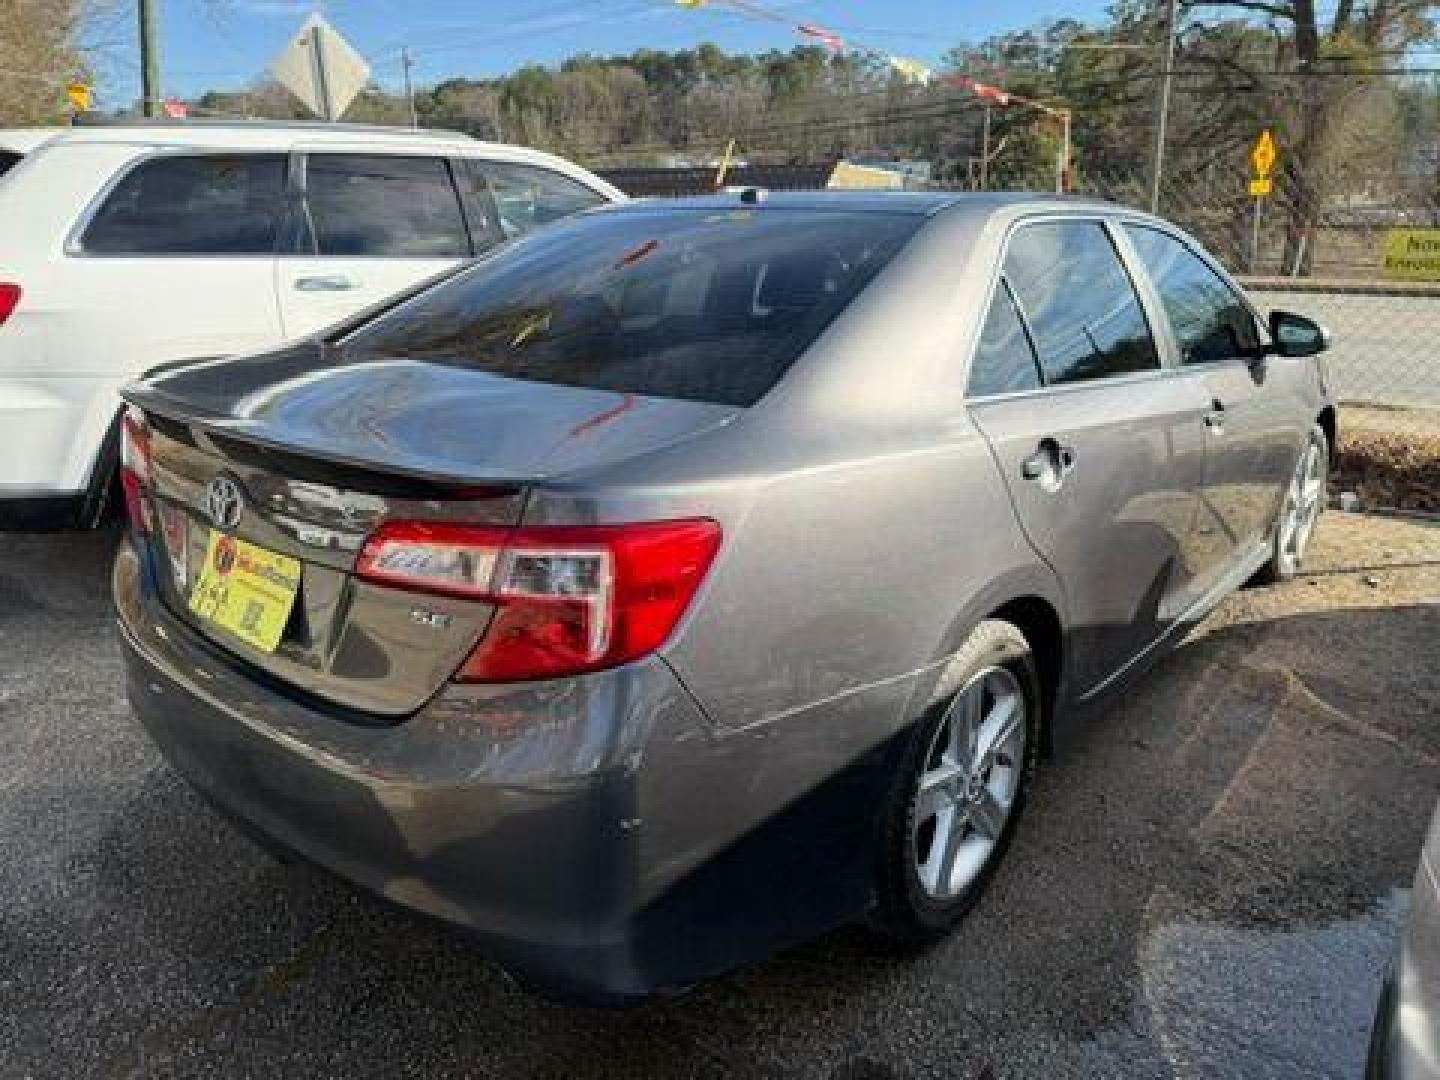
704, 304
1004, 360
384, 207
1080, 303
8, 160
192, 205
528, 196
1210, 321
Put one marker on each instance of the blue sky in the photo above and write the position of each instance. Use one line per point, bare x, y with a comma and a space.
220, 44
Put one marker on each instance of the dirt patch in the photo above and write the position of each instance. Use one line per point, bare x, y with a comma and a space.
1387, 465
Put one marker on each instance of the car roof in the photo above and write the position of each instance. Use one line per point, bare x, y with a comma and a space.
979, 204
23, 140
247, 133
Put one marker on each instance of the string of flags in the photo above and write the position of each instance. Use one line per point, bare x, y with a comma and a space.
910, 70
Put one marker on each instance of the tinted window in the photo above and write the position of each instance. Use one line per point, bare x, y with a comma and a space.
528, 196
8, 159
705, 304
204, 205
1004, 361
391, 207
1081, 305
1210, 321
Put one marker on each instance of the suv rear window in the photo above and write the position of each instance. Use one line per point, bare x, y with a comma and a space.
8, 160
706, 303
210, 204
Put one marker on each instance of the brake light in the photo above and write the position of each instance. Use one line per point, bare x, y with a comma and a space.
568, 599
135, 468
10, 294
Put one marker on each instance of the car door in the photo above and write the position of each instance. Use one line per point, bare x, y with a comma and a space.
1101, 449
174, 260
1249, 428
368, 226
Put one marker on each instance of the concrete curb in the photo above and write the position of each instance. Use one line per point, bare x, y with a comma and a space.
1346, 286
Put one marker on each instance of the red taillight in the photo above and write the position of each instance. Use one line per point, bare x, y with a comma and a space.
10, 294
135, 468
568, 599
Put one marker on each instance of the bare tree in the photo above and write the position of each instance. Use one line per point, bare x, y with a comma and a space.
38, 59
1312, 81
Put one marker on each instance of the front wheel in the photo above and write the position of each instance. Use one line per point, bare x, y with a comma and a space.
1299, 510
960, 787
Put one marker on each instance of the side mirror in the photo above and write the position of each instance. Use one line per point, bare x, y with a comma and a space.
1295, 335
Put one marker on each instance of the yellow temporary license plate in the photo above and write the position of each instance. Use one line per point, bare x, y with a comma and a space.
246, 590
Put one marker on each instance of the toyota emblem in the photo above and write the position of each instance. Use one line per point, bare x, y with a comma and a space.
224, 503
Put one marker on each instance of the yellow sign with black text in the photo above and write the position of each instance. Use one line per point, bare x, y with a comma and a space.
1259, 187
1264, 155
1412, 254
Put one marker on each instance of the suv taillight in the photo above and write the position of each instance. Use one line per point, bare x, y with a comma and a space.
568, 599
135, 467
10, 294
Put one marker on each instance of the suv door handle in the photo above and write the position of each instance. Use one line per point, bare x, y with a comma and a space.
324, 283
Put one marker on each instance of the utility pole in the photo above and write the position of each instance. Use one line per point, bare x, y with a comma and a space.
1162, 107
149, 57
407, 63
1062, 168
985, 149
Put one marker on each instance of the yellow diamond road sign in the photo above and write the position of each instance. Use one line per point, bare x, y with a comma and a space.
79, 95
1264, 155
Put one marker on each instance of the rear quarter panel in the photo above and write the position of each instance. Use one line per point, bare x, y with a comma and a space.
866, 531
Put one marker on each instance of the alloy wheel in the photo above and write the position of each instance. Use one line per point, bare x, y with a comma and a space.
967, 789
1303, 502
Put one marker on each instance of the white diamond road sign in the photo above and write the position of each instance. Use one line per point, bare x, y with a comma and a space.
321, 69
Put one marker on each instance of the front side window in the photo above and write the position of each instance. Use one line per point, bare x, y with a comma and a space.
698, 304
376, 206
1084, 314
1211, 323
193, 205
528, 196
1004, 360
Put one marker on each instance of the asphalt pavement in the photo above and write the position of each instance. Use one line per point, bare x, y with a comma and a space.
1208, 882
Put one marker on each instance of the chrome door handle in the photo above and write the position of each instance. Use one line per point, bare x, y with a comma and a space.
324, 283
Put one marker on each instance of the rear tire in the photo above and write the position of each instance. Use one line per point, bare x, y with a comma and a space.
1300, 510
960, 787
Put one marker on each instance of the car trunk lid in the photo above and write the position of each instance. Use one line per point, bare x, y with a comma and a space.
320, 456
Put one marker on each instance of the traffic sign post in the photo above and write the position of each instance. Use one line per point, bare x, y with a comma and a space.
1263, 157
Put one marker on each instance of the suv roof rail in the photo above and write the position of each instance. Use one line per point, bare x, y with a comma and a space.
102, 120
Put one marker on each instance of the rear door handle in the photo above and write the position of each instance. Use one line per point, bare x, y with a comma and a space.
324, 283
1049, 464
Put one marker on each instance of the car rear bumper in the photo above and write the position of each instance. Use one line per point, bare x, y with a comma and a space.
510, 812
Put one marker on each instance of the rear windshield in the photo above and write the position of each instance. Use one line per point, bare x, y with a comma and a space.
705, 304
8, 160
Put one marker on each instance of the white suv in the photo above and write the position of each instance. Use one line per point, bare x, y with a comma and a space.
127, 248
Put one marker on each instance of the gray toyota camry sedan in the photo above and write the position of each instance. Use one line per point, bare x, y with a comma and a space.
687, 578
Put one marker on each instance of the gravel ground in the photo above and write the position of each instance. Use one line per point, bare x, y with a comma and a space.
1207, 883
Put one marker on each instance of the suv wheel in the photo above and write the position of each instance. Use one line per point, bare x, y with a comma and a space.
1303, 503
960, 787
